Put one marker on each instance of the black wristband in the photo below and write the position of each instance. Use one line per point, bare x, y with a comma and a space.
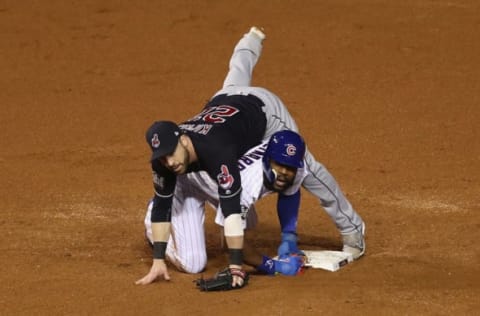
159, 248
236, 256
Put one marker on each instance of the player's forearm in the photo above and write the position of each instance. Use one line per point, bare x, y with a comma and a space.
234, 237
161, 231
287, 210
235, 242
235, 251
233, 229
160, 234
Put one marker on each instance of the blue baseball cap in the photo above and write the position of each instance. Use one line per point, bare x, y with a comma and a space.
285, 147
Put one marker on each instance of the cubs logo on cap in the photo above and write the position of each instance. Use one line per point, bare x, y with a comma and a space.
162, 137
291, 149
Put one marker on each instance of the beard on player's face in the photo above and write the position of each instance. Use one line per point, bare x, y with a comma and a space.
284, 176
178, 161
281, 184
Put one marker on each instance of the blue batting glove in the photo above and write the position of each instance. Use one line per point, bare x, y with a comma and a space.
288, 245
289, 265
286, 265
267, 266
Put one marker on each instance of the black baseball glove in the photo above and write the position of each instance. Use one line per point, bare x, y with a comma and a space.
222, 281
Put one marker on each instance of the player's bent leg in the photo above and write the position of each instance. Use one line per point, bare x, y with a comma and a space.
186, 245
351, 226
193, 262
187, 248
244, 58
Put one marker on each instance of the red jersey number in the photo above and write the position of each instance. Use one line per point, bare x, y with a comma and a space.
217, 114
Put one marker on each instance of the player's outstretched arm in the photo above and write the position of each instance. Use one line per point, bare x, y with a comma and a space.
160, 233
158, 269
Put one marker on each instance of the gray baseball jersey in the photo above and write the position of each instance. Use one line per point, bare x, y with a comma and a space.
319, 181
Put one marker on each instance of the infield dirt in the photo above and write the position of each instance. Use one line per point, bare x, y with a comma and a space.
386, 94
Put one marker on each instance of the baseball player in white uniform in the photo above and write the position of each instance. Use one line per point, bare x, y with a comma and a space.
186, 247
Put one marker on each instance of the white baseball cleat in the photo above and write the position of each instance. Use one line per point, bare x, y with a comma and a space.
257, 31
354, 243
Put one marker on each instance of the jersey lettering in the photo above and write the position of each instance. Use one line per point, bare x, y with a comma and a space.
250, 157
219, 114
216, 114
245, 161
202, 129
210, 115
200, 115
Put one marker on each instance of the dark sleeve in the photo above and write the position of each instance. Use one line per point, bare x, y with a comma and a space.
224, 170
164, 186
287, 209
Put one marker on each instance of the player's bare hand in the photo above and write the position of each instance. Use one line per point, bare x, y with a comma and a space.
237, 281
158, 269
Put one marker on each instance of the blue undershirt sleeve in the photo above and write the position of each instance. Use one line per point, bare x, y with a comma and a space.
287, 209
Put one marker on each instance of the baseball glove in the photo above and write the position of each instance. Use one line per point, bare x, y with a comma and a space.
222, 281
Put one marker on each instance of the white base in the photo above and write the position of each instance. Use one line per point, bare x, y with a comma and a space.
327, 259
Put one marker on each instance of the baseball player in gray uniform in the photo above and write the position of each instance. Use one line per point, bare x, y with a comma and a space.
319, 181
